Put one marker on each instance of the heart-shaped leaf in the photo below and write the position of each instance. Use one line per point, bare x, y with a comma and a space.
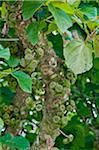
78, 56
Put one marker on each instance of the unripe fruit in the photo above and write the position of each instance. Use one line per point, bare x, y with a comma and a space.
64, 120
52, 85
65, 141
32, 65
70, 138
59, 88
11, 107
62, 107
6, 116
17, 104
72, 103
30, 103
7, 121
69, 108
40, 52
16, 114
5, 108
60, 113
34, 80
17, 122
16, 110
39, 107
28, 51
40, 92
28, 57
12, 122
23, 62
34, 113
53, 62
28, 100
53, 76
56, 119
56, 105
69, 75
67, 83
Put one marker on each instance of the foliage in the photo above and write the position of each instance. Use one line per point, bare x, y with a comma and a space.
49, 70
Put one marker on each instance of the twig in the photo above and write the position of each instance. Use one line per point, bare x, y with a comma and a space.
91, 35
9, 39
63, 133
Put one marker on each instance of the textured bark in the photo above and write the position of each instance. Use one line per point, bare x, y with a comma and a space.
49, 130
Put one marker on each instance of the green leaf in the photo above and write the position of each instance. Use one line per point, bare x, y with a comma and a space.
78, 56
90, 12
5, 73
18, 142
52, 27
64, 6
31, 137
6, 95
13, 61
83, 109
1, 125
57, 44
4, 53
30, 7
24, 81
3, 10
96, 45
75, 3
79, 141
32, 32
96, 63
63, 20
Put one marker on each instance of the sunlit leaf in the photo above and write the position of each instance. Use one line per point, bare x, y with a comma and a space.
78, 56
64, 6
24, 81
62, 19
90, 12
